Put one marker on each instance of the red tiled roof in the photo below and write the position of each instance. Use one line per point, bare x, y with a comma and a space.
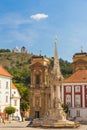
4, 72
79, 76
13, 86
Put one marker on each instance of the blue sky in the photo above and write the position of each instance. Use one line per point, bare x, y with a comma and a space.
35, 23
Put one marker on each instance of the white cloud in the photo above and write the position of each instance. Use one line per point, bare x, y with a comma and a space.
38, 16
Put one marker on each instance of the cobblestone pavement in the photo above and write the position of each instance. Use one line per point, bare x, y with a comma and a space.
14, 125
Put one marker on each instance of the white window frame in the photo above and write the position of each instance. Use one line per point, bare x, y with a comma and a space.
15, 102
68, 99
77, 88
68, 89
77, 100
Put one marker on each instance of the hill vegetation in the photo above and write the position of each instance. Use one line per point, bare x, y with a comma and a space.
17, 64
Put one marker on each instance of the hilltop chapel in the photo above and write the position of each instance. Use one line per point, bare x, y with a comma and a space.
45, 86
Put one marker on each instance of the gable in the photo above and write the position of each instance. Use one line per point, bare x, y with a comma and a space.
37, 64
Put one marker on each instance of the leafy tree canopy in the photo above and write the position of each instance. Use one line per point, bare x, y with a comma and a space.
65, 108
9, 110
21, 76
4, 50
65, 66
24, 92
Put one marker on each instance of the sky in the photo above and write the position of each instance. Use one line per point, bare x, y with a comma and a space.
35, 24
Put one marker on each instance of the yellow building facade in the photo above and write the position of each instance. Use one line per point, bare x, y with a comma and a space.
40, 86
79, 61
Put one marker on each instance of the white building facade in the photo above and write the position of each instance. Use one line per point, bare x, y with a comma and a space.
9, 95
15, 101
5, 92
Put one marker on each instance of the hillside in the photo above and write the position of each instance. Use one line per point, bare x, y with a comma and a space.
15, 60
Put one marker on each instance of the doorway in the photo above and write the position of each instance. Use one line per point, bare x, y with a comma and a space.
36, 114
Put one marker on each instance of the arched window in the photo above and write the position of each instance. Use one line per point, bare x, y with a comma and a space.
37, 79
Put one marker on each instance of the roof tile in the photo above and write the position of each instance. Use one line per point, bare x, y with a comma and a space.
79, 76
4, 72
13, 86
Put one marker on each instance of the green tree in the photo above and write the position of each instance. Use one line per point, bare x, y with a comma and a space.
4, 50
66, 68
65, 108
21, 76
24, 92
10, 110
51, 61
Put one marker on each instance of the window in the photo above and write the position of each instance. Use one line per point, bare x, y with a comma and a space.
37, 79
68, 99
78, 113
68, 89
77, 88
77, 101
14, 92
37, 101
7, 85
46, 79
15, 102
6, 99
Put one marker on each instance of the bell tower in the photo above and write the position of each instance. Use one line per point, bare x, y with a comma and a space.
39, 89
